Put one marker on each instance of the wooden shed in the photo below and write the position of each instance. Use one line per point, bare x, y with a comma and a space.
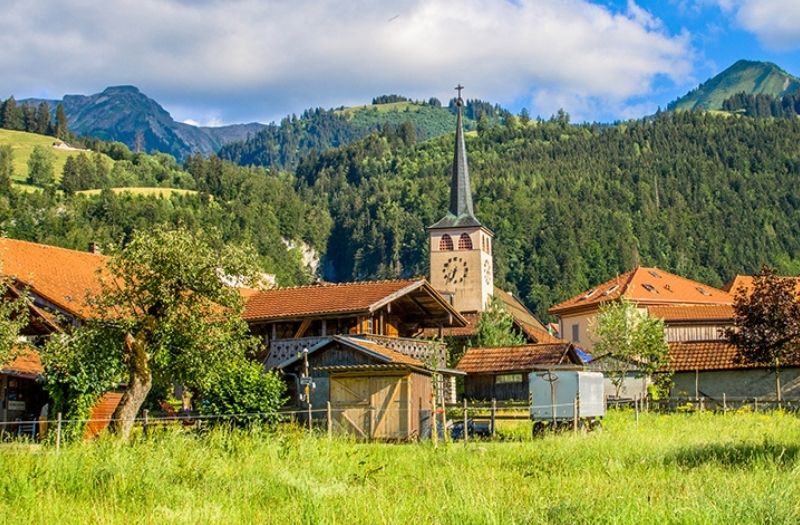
502, 373
375, 392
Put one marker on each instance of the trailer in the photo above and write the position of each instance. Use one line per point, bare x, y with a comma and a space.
563, 398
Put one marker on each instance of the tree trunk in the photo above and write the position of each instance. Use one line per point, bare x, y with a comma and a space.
139, 383
778, 383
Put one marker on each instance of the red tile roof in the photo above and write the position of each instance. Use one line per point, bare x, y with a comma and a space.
26, 364
689, 313
341, 299
514, 358
60, 276
689, 356
645, 286
746, 282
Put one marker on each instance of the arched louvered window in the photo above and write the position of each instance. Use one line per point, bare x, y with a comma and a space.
464, 242
446, 243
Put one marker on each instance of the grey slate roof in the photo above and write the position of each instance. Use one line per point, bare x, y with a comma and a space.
461, 213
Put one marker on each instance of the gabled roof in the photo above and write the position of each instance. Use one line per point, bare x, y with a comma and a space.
60, 276
680, 313
690, 356
370, 348
524, 320
645, 286
746, 282
517, 358
349, 299
26, 364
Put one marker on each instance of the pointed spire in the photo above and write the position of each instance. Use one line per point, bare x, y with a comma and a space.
461, 212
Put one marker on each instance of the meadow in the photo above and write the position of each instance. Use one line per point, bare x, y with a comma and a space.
679, 468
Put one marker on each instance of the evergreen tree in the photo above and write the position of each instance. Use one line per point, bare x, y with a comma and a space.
12, 115
43, 124
62, 129
70, 177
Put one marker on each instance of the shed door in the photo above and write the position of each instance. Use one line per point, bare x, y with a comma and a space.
370, 407
350, 398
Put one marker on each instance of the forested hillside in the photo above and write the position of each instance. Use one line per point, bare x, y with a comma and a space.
284, 145
131, 191
701, 195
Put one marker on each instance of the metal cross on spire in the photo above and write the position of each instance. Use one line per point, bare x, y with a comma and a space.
458, 88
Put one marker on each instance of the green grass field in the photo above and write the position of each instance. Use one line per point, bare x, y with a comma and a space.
683, 468
23, 144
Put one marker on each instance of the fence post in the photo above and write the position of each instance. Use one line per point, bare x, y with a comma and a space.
755, 404
434, 430
493, 415
310, 427
371, 422
575, 413
330, 420
636, 408
466, 428
145, 421
702, 404
58, 432
724, 404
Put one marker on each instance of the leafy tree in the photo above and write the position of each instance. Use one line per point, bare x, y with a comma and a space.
243, 388
496, 327
6, 168
181, 322
40, 166
631, 338
766, 328
13, 318
81, 366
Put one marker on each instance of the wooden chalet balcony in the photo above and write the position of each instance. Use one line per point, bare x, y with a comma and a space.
430, 352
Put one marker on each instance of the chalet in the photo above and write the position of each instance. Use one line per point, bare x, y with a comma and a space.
502, 373
56, 283
375, 392
710, 369
691, 310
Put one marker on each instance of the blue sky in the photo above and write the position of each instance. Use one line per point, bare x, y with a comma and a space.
223, 61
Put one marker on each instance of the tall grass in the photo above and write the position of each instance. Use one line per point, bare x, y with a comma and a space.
698, 468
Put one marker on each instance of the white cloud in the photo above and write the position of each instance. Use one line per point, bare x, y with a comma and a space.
774, 22
252, 59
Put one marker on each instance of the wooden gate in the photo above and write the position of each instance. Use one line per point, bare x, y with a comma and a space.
370, 407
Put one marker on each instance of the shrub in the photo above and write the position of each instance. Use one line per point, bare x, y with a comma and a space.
246, 392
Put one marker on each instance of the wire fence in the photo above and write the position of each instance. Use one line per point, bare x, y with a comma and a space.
433, 421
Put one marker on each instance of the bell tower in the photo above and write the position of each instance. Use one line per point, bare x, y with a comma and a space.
460, 246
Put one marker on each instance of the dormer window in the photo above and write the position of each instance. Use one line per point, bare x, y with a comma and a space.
464, 242
446, 243
611, 290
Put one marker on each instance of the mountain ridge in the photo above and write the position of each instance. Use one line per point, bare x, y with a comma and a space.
743, 76
121, 113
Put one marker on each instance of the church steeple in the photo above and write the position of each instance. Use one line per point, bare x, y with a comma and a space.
460, 213
460, 247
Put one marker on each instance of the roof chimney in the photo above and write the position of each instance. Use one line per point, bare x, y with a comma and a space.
94, 248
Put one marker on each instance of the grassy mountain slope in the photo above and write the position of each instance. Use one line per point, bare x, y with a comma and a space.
22, 144
744, 76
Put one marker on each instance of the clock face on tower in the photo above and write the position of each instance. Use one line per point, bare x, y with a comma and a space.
487, 273
455, 270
